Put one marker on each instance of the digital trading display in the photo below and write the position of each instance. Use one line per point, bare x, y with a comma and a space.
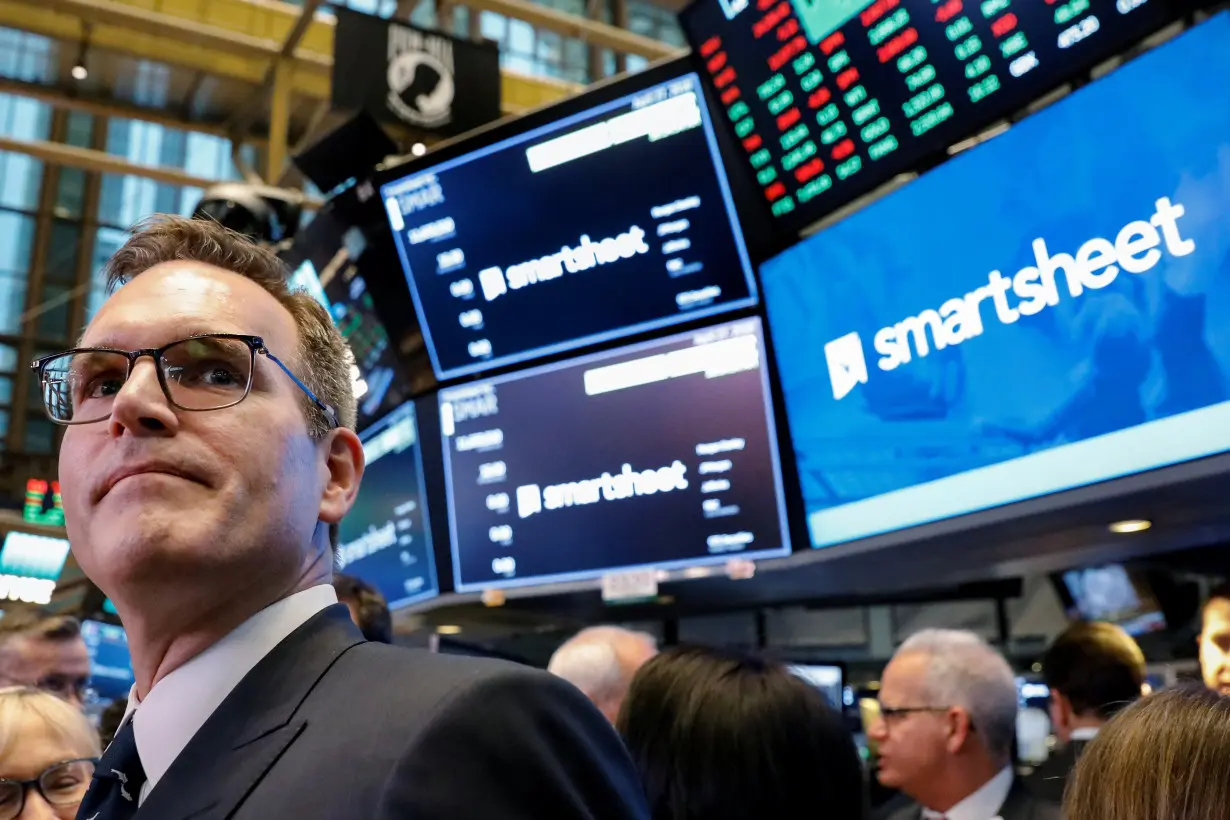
657, 455
1014, 334
111, 674
602, 224
341, 289
385, 538
830, 100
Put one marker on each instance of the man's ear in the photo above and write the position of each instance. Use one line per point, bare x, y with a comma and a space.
342, 470
960, 729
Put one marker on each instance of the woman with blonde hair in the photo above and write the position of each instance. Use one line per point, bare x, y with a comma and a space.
1166, 757
47, 755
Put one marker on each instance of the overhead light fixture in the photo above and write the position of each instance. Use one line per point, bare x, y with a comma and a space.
448, 629
1130, 525
79, 72
418, 149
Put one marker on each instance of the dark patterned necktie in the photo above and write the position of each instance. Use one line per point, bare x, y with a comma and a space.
118, 779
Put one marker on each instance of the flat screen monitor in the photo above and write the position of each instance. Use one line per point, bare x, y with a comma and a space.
1048, 310
30, 566
111, 674
828, 679
661, 454
385, 539
832, 99
326, 262
1113, 593
587, 222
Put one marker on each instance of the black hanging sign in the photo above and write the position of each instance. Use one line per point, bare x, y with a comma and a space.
409, 75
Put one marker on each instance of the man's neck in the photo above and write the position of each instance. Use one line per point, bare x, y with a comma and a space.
160, 641
959, 781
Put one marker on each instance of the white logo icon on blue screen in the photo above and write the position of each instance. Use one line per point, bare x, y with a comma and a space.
529, 500
491, 280
847, 365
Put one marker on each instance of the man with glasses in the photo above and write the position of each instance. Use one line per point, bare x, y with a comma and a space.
208, 456
948, 706
46, 652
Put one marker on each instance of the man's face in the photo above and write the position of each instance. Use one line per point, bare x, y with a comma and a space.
1215, 646
61, 667
912, 746
238, 491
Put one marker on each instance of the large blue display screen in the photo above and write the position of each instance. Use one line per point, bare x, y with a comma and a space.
385, 538
1049, 310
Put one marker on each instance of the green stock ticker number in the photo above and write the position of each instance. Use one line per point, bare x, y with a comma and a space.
958, 29
812, 81
771, 86
1014, 44
978, 67
875, 130
912, 59
882, 148
864, 113
783, 206
761, 158
850, 167
981, 90
931, 119
1067, 13
766, 175
991, 8
781, 102
738, 111
833, 133
920, 78
888, 26
923, 100
804, 64
799, 155
968, 48
794, 136
827, 114
839, 61
814, 188
744, 127
855, 96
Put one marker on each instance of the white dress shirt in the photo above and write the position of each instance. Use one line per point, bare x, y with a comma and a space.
179, 704
984, 804
1084, 733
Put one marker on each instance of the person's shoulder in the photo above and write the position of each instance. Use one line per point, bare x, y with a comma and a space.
1025, 803
402, 669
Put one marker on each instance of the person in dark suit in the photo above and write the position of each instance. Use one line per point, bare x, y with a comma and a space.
368, 609
207, 459
948, 707
1093, 670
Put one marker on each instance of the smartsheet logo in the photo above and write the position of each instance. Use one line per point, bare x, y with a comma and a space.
627, 483
1137, 249
495, 282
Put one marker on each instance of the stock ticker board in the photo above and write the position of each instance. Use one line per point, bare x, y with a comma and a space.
830, 99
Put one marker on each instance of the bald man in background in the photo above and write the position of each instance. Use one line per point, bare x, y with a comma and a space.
601, 661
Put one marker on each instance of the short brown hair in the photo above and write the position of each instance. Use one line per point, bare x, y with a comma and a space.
1097, 666
323, 359
38, 625
1219, 595
1166, 757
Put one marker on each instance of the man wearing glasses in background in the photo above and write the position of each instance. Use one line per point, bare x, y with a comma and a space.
948, 706
208, 457
46, 652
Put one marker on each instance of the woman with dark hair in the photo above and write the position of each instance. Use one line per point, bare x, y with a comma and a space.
721, 736
1166, 757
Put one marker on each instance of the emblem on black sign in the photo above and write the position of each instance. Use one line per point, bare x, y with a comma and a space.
420, 76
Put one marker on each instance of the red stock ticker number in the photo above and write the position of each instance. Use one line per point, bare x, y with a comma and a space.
819, 97
843, 149
775, 191
808, 170
875, 11
948, 10
788, 119
894, 47
1004, 25
767, 23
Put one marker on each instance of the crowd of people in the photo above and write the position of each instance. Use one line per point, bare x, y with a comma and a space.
208, 455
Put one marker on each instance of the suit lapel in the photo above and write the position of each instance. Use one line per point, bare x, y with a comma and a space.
253, 727
1018, 805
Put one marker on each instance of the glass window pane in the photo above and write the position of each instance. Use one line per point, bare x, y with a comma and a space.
4, 427
52, 322
62, 256
492, 26
18, 232
636, 63
520, 37
8, 359
80, 129
70, 193
26, 56
106, 242
40, 434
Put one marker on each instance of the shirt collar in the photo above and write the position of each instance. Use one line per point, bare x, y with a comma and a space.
1084, 733
178, 705
983, 804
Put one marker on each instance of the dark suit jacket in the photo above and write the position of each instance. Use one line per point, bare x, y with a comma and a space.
330, 727
1020, 805
1049, 780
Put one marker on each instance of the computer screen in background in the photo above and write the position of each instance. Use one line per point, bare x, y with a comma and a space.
828, 679
662, 454
30, 566
1027, 318
832, 99
608, 220
385, 539
1113, 593
111, 674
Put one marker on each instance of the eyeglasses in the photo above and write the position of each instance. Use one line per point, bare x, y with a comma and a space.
63, 784
211, 371
67, 687
888, 713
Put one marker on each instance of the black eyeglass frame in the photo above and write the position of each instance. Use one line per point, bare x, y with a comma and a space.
255, 344
37, 784
888, 712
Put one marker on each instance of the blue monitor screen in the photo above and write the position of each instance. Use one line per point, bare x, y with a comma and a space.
662, 454
110, 664
385, 538
1046, 311
614, 220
